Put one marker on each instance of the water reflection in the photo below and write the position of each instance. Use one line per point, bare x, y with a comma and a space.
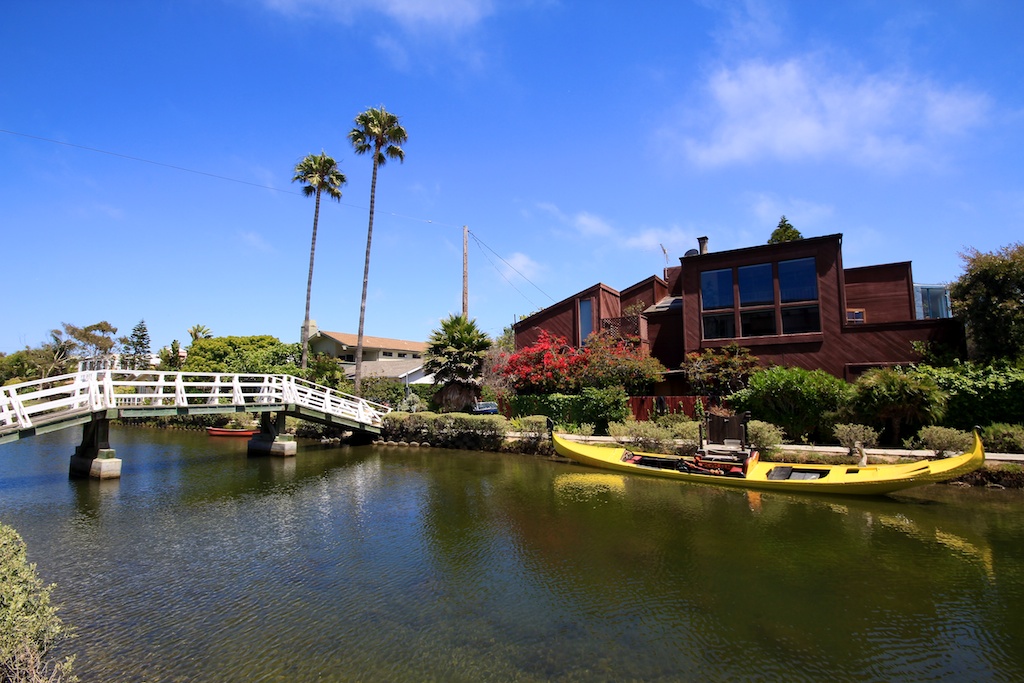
407, 564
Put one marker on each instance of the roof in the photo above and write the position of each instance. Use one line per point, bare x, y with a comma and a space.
352, 340
386, 368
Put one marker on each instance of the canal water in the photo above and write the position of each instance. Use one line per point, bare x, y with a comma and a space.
392, 564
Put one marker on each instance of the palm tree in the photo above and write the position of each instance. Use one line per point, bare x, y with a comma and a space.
318, 173
198, 331
455, 355
377, 131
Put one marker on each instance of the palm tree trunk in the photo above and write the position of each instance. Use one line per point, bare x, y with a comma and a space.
366, 275
309, 283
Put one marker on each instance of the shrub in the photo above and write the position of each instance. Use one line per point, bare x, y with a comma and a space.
29, 625
531, 427
979, 394
795, 399
643, 436
585, 429
594, 406
1003, 438
944, 440
894, 398
849, 434
763, 436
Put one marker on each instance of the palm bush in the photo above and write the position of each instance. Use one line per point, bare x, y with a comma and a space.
894, 398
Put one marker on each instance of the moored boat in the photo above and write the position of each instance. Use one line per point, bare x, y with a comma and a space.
224, 431
743, 469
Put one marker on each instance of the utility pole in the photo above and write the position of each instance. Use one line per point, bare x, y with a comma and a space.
465, 272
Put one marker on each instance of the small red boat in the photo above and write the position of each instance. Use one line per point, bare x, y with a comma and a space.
224, 431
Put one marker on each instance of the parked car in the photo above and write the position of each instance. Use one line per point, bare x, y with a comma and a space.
485, 408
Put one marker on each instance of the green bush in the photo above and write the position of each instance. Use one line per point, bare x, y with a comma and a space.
945, 440
795, 399
29, 625
764, 436
643, 436
447, 430
591, 406
893, 398
979, 394
585, 429
1003, 438
849, 434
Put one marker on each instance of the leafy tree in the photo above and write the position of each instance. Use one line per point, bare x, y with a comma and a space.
784, 232
717, 372
896, 398
135, 352
92, 340
170, 357
379, 132
29, 626
455, 355
989, 298
260, 354
317, 173
199, 332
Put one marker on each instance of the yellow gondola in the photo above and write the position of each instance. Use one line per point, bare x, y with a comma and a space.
745, 470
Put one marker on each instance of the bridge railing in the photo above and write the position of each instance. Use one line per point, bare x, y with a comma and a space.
56, 398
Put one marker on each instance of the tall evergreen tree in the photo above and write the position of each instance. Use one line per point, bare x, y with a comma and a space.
784, 232
317, 173
135, 348
379, 132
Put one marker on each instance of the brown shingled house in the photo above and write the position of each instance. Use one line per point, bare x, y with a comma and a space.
791, 304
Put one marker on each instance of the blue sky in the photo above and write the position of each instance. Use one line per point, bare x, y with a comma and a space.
575, 139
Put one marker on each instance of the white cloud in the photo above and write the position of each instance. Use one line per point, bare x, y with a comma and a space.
255, 241
796, 110
520, 266
803, 214
411, 14
674, 240
583, 222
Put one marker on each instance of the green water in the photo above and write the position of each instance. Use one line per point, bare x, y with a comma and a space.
389, 564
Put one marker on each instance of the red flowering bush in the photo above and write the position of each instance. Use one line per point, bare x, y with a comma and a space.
553, 366
550, 366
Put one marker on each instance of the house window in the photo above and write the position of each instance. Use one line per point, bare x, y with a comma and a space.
586, 319
388, 354
798, 284
798, 280
855, 316
771, 296
757, 300
932, 301
403, 355
716, 289
415, 355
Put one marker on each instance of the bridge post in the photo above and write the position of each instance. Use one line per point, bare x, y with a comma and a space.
272, 438
95, 458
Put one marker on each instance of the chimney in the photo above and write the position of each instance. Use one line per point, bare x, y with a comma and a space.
703, 243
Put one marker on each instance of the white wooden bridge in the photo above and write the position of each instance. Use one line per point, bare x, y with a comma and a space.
97, 396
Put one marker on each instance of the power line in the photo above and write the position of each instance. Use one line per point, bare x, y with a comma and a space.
480, 243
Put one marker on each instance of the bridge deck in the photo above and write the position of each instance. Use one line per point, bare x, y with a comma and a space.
60, 402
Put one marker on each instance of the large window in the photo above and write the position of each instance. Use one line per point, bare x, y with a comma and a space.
586, 319
770, 297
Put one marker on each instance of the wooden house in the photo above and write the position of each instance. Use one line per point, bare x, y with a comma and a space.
791, 304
